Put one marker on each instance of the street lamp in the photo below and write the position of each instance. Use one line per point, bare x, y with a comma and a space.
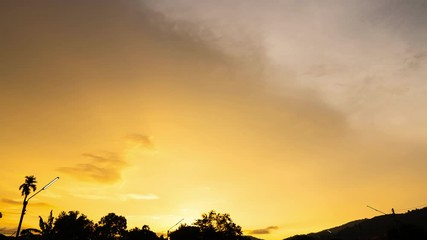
26, 202
167, 234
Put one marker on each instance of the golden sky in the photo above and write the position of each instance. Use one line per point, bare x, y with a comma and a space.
291, 116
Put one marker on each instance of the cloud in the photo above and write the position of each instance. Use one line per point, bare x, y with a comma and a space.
121, 196
106, 167
141, 141
92, 196
11, 201
137, 196
266, 230
19, 202
355, 66
100, 168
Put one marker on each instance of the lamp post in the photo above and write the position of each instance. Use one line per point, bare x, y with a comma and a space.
167, 234
26, 202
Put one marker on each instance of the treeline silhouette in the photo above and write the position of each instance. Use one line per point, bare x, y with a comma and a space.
74, 225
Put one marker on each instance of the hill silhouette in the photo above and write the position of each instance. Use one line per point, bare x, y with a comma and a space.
408, 226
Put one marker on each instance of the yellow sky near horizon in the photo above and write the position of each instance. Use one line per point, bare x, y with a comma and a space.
158, 115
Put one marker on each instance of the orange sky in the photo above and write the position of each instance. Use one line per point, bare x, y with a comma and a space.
291, 116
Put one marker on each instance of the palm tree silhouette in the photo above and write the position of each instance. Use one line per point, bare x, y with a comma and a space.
30, 183
26, 187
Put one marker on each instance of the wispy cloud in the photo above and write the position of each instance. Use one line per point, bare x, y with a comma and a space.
266, 230
19, 202
104, 168
92, 196
137, 196
122, 197
10, 201
141, 141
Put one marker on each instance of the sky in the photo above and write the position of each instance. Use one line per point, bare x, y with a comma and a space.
291, 116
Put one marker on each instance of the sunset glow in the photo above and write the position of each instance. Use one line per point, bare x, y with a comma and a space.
291, 116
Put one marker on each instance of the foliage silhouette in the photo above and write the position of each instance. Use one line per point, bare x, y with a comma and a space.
28, 185
212, 225
46, 228
73, 226
30, 234
142, 234
219, 226
185, 232
111, 227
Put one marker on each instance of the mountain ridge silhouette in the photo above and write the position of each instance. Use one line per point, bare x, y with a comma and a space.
411, 225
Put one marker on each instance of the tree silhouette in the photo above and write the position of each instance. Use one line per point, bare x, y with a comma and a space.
30, 234
73, 226
46, 228
185, 232
142, 234
111, 227
212, 225
26, 187
218, 226
30, 183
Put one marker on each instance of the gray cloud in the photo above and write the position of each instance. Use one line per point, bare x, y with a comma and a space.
100, 168
266, 230
329, 47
